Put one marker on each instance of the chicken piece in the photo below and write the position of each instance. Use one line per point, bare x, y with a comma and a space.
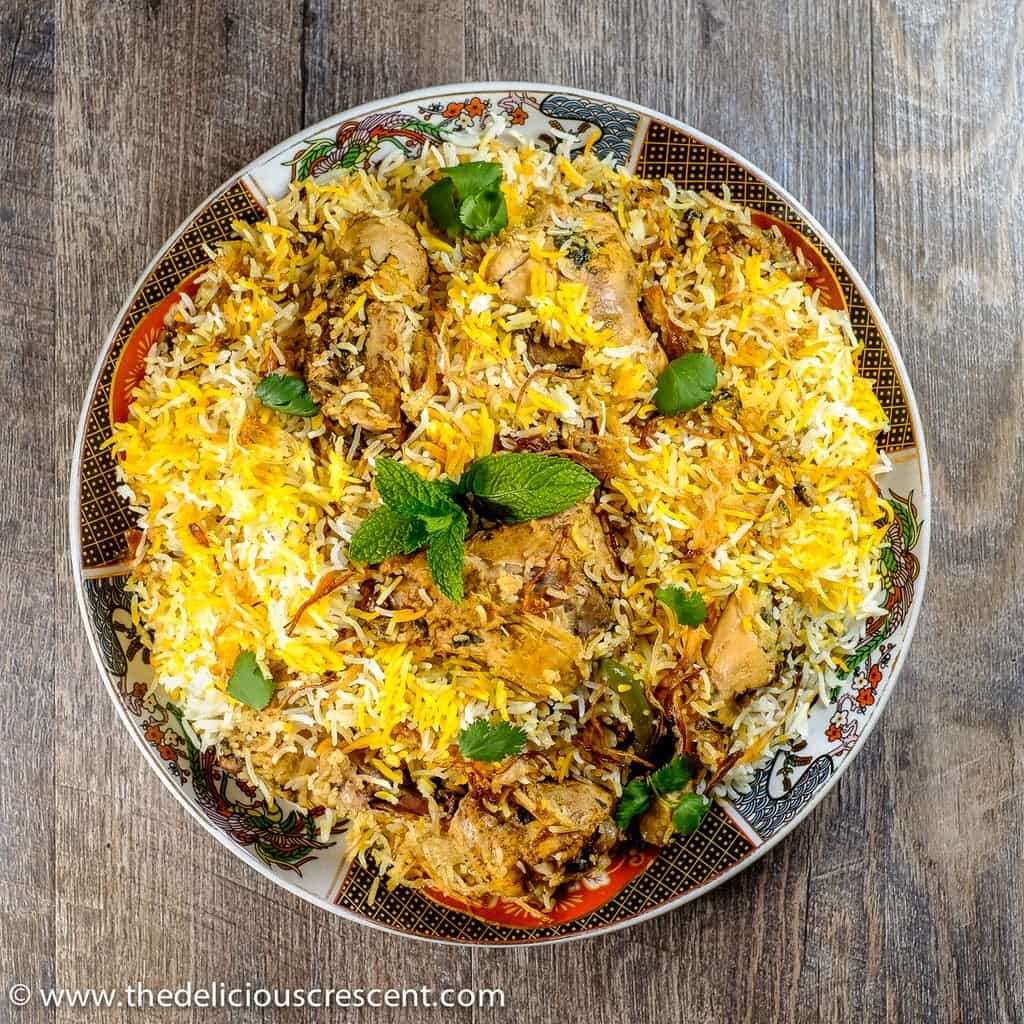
596, 254
535, 592
395, 351
736, 658
567, 823
400, 263
495, 847
607, 268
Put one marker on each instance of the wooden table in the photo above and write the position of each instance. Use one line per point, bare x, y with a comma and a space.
900, 125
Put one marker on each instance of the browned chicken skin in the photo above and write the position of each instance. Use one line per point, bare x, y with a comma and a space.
552, 826
386, 252
596, 254
736, 658
534, 593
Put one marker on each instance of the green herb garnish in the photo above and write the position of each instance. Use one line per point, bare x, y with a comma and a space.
446, 551
517, 488
687, 605
664, 785
689, 813
483, 214
484, 741
416, 513
635, 799
420, 513
685, 383
248, 684
386, 533
671, 777
287, 394
405, 492
468, 200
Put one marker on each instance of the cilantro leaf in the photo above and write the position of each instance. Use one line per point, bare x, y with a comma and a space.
405, 492
248, 684
483, 214
687, 605
685, 383
473, 177
385, 533
440, 203
287, 394
635, 799
517, 488
483, 741
467, 199
672, 776
689, 813
446, 552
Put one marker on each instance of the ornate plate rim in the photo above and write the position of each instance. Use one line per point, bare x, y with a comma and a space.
74, 496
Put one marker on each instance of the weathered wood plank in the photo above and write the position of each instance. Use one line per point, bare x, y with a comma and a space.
27, 468
948, 88
899, 126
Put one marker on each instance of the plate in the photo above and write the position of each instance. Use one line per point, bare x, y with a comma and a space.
285, 845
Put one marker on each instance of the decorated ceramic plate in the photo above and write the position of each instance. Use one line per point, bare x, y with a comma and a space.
702, 188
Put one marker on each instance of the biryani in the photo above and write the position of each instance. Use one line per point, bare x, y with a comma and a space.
501, 508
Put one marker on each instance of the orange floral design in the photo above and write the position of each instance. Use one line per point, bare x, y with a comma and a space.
519, 116
866, 697
475, 107
167, 753
833, 733
874, 675
154, 735
453, 110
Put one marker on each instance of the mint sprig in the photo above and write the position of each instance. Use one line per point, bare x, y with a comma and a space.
405, 492
517, 488
446, 552
384, 534
429, 514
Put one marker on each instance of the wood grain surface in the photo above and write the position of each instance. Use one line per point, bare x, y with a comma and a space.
900, 125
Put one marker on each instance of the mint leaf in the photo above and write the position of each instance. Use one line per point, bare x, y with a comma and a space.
635, 799
446, 551
405, 492
687, 605
685, 383
440, 202
287, 394
385, 533
483, 214
483, 741
672, 776
690, 813
473, 177
248, 684
517, 488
